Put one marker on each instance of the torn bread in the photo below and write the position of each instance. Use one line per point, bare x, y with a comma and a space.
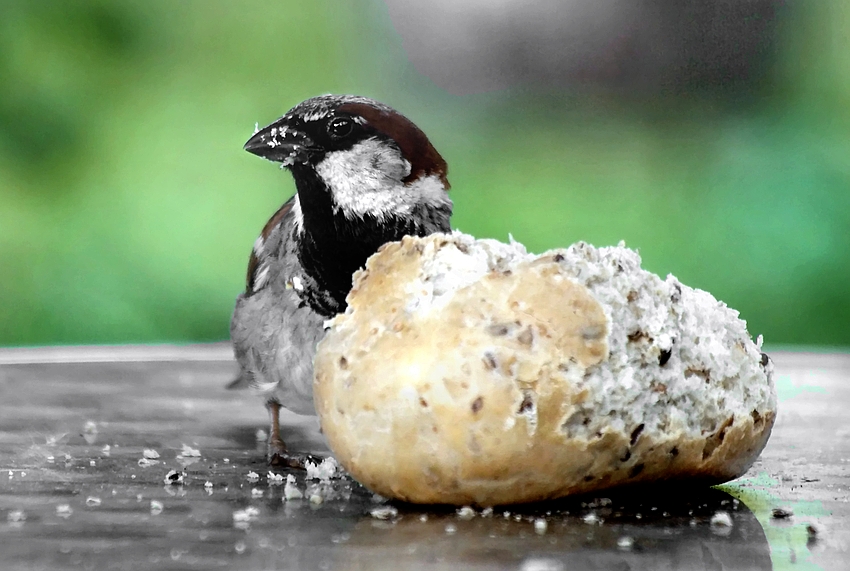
468, 371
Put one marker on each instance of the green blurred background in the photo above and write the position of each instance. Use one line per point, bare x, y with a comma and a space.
128, 208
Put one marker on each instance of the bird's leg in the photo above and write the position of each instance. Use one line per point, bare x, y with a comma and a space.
277, 453
276, 445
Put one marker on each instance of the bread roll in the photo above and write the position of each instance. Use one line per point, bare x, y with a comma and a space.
469, 372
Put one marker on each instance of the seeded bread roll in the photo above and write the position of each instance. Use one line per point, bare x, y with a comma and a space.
469, 372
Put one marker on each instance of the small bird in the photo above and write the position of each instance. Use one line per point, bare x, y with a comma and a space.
364, 175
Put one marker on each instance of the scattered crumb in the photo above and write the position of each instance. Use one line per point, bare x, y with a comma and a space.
147, 462
93, 501
105, 450
721, 518
156, 507
189, 452
64, 511
256, 493
325, 470
150, 454
378, 499
466, 512
451, 528
423, 518
541, 564
290, 490
262, 435
781, 513
208, 484
540, 526
487, 512
243, 518
591, 518
384, 512
625, 543
814, 531
16, 516
721, 523
252, 476
275, 479
175, 477
316, 498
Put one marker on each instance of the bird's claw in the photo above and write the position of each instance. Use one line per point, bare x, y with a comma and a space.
294, 461
278, 455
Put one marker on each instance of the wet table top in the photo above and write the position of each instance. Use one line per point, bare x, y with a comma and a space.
138, 458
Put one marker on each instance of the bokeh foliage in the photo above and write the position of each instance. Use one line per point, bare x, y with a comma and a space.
129, 209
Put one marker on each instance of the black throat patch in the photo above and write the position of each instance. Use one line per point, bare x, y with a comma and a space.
332, 247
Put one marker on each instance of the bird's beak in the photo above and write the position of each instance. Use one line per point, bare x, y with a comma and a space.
280, 142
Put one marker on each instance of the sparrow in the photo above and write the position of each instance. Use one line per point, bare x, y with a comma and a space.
364, 175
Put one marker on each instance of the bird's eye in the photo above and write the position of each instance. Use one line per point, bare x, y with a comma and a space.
340, 127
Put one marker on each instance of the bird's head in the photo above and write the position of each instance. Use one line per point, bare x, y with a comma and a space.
365, 157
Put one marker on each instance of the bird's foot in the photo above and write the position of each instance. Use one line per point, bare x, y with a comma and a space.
278, 455
295, 461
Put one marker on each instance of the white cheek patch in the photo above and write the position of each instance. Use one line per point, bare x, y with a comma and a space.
430, 190
367, 179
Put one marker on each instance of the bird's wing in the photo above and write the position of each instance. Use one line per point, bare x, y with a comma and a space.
267, 249
271, 246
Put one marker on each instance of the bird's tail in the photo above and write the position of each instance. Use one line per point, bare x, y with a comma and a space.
243, 381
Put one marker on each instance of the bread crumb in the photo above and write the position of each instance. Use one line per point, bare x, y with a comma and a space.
173, 477
540, 526
324, 471
384, 512
290, 490
64, 511
721, 523
16, 516
189, 452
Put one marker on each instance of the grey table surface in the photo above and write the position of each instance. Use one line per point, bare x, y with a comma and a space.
78, 492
